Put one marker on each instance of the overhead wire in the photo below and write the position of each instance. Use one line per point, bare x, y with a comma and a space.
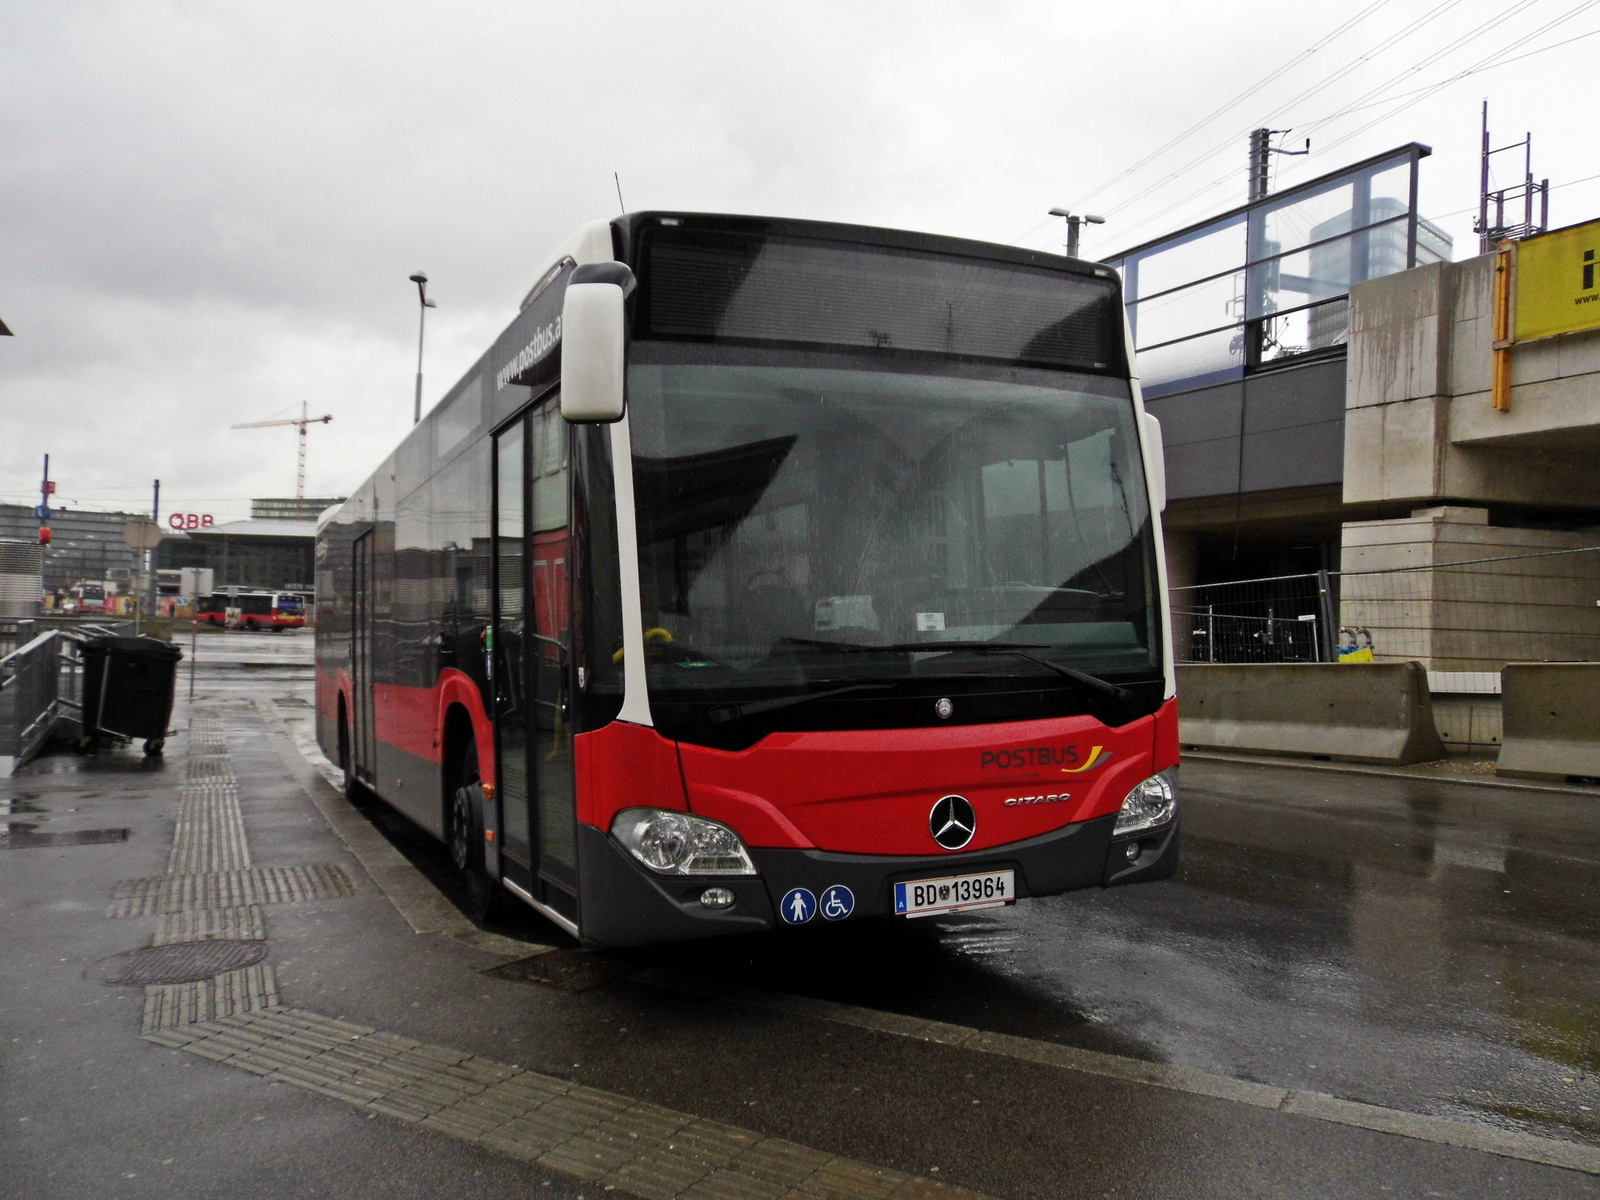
1482, 64
1271, 77
1236, 100
1422, 94
1420, 22
1470, 71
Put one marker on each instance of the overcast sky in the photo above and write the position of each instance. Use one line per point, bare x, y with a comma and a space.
208, 211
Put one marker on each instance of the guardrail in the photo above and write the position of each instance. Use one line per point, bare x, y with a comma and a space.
41, 688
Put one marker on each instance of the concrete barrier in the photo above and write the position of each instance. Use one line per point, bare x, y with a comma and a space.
1370, 712
1551, 718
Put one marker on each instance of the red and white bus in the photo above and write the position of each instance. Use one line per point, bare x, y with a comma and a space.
273, 611
769, 572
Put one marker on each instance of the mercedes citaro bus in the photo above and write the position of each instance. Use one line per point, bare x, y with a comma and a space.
767, 573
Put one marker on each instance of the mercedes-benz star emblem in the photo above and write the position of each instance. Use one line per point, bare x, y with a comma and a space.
952, 822
944, 708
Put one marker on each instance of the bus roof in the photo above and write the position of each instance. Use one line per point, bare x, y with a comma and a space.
464, 409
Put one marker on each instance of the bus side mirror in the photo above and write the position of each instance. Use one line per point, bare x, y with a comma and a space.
1155, 464
593, 340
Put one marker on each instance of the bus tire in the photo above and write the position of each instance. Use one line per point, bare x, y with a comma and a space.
346, 763
483, 894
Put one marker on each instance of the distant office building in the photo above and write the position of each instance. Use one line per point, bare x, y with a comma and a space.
292, 508
252, 554
84, 546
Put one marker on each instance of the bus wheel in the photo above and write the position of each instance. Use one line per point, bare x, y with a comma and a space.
346, 767
466, 839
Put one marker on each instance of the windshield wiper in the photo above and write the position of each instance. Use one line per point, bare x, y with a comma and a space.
1016, 649
1020, 650
722, 714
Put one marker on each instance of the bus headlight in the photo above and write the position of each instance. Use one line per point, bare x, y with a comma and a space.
677, 843
1154, 802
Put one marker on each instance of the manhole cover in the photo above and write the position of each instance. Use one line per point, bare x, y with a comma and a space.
569, 970
181, 963
22, 839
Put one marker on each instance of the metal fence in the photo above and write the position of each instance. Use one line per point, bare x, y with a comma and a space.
41, 685
1467, 615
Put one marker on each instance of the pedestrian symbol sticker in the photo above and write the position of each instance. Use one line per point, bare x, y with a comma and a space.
798, 906
838, 902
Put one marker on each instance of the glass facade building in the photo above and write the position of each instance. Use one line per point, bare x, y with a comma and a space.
1270, 281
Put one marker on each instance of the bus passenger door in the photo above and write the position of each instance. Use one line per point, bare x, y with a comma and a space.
363, 745
549, 667
507, 653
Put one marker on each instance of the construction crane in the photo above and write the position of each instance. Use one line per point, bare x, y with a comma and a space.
299, 422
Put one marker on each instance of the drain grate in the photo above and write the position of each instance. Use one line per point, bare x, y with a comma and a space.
78, 837
184, 962
568, 970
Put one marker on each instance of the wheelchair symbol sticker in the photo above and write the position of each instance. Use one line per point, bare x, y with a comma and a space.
838, 902
798, 906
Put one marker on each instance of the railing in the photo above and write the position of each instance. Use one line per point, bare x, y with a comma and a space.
1471, 615
1285, 618
17, 631
41, 688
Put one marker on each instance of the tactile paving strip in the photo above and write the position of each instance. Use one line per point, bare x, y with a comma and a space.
253, 989
242, 924
210, 832
597, 1136
228, 889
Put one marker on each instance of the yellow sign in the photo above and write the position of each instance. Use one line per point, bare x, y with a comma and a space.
1558, 284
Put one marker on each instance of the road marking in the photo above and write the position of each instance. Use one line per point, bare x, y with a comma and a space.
1443, 1130
597, 1136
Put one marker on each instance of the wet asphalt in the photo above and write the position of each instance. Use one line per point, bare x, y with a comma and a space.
1423, 945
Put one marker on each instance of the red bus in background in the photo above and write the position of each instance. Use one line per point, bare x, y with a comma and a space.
768, 573
253, 610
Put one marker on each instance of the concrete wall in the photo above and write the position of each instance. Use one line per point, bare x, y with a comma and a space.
1473, 618
1419, 425
1293, 429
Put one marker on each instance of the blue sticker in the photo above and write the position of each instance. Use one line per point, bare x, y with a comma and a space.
798, 906
838, 902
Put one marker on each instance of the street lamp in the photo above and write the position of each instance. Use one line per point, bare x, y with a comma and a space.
421, 281
1075, 223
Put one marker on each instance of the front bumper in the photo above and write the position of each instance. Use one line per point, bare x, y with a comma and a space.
623, 904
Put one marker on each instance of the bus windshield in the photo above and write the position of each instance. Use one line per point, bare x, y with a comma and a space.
808, 522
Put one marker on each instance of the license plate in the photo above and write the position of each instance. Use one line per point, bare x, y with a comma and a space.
924, 897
